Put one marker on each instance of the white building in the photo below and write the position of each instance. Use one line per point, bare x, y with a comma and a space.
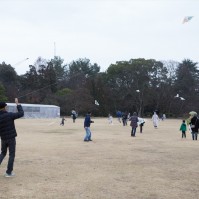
36, 110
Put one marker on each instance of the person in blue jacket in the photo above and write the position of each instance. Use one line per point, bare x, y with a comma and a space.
87, 123
8, 134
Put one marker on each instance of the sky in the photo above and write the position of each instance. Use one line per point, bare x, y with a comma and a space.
104, 31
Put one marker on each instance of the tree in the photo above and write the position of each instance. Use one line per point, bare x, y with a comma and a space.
59, 68
186, 84
8, 78
135, 82
3, 98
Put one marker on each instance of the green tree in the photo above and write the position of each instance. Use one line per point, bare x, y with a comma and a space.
186, 85
9, 79
59, 68
3, 98
132, 83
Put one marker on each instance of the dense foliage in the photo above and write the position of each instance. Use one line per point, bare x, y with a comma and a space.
136, 85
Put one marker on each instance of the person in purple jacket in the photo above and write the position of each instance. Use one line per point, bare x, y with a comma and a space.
133, 124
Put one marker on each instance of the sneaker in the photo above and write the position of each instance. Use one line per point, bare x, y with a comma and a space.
90, 140
9, 175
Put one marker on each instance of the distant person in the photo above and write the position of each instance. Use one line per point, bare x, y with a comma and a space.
87, 123
155, 120
74, 115
124, 118
8, 134
183, 128
110, 119
62, 121
194, 124
129, 115
119, 115
163, 117
133, 124
141, 122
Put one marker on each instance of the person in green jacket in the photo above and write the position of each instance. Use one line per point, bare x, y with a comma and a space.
183, 128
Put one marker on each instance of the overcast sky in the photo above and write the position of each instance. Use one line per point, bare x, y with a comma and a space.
105, 31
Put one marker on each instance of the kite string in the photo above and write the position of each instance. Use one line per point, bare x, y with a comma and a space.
36, 90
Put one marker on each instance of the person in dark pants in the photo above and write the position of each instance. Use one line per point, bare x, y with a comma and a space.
141, 123
183, 128
8, 134
133, 124
62, 121
194, 124
124, 118
74, 115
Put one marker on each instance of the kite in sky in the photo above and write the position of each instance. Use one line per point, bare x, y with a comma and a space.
177, 95
96, 103
187, 19
182, 98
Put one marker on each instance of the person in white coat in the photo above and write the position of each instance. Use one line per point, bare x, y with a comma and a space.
155, 120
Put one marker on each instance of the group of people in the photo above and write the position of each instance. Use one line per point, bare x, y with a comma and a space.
193, 124
73, 116
8, 132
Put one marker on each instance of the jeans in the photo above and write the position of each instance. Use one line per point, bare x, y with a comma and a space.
11, 145
133, 131
88, 134
194, 135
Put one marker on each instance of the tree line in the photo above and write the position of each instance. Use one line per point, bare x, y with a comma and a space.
141, 85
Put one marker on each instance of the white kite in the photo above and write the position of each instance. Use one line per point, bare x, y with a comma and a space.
187, 19
182, 98
137, 91
177, 95
96, 103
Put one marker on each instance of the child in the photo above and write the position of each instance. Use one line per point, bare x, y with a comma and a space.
110, 119
62, 121
141, 123
183, 128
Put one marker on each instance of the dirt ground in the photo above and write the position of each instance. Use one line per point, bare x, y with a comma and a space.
53, 162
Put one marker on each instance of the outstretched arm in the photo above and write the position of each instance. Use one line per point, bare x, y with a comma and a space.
20, 112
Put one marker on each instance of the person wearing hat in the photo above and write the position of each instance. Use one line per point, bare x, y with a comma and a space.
8, 134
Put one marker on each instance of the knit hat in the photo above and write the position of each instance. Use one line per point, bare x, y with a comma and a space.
2, 105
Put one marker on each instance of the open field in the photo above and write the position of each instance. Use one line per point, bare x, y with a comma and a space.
53, 162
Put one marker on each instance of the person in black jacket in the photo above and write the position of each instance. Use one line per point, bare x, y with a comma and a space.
8, 134
194, 124
87, 123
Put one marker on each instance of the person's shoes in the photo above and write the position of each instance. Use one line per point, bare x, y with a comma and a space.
90, 140
9, 175
86, 140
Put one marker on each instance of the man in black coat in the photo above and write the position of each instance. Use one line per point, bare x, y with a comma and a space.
8, 134
194, 127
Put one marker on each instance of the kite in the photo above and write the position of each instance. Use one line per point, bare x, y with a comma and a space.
177, 95
187, 19
137, 91
96, 103
182, 98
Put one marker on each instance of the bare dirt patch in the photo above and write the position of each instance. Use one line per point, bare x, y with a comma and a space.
52, 161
